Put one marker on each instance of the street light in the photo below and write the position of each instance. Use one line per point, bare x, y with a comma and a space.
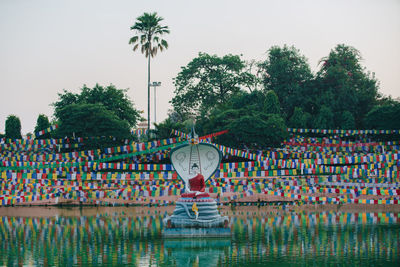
155, 84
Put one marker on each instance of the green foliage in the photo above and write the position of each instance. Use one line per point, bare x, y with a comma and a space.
308, 119
255, 100
341, 84
384, 117
276, 130
149, 30
42, 123
113, 99
164, 129
286, 72
346, 86
347, 121
249, 125
13, 127
386, 100
339, 95
258, 130
298, 119
207, 81
324, 119
92, 120
272, 103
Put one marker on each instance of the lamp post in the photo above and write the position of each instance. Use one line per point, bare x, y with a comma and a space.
155, 84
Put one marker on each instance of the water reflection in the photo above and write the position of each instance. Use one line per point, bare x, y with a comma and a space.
200, 252
325, 238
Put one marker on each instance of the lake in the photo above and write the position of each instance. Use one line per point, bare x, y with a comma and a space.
260, 236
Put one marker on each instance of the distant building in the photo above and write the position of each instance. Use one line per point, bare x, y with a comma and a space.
142, 125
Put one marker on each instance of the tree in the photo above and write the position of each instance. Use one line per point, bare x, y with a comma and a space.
345, 85
207, 81
42, 123
287, 73
347, 120
113, 99
250, 125
258, 130
13, 127
298, 119
272, 103
91, 120
324, 119
164, 129
384, 117
255, 100
149, 32
386, 100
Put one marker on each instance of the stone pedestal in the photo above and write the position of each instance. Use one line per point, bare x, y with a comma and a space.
185, 222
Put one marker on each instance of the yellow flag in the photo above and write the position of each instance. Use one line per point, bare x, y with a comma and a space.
195, 210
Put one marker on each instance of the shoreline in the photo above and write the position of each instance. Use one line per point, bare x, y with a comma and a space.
228, 198
124, 211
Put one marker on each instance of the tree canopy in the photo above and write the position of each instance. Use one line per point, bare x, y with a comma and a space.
250, 123
114, 100
209, 80
149, 32
91, 120
272, 103
13, 127
346, 86
286, 72
42, 123
340, 94
299, 118
164, 129
384, 117
342, 91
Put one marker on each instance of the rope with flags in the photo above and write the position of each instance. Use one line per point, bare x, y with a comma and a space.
45, 131
292, 173
341, 131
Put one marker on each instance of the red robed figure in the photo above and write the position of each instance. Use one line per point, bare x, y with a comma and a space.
197, 183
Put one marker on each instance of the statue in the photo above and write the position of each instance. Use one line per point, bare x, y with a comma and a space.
197, 183
195, 163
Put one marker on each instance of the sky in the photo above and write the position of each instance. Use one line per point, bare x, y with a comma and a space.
47, 46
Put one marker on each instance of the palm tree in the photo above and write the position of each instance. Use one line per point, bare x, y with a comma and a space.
149, 30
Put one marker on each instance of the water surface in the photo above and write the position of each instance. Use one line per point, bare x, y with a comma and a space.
260, 237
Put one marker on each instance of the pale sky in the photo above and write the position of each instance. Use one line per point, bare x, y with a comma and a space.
50, 45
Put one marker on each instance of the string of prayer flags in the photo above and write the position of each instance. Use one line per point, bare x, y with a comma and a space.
340, 131
45, 131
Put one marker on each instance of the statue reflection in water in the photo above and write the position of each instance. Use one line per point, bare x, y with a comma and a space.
198, 252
